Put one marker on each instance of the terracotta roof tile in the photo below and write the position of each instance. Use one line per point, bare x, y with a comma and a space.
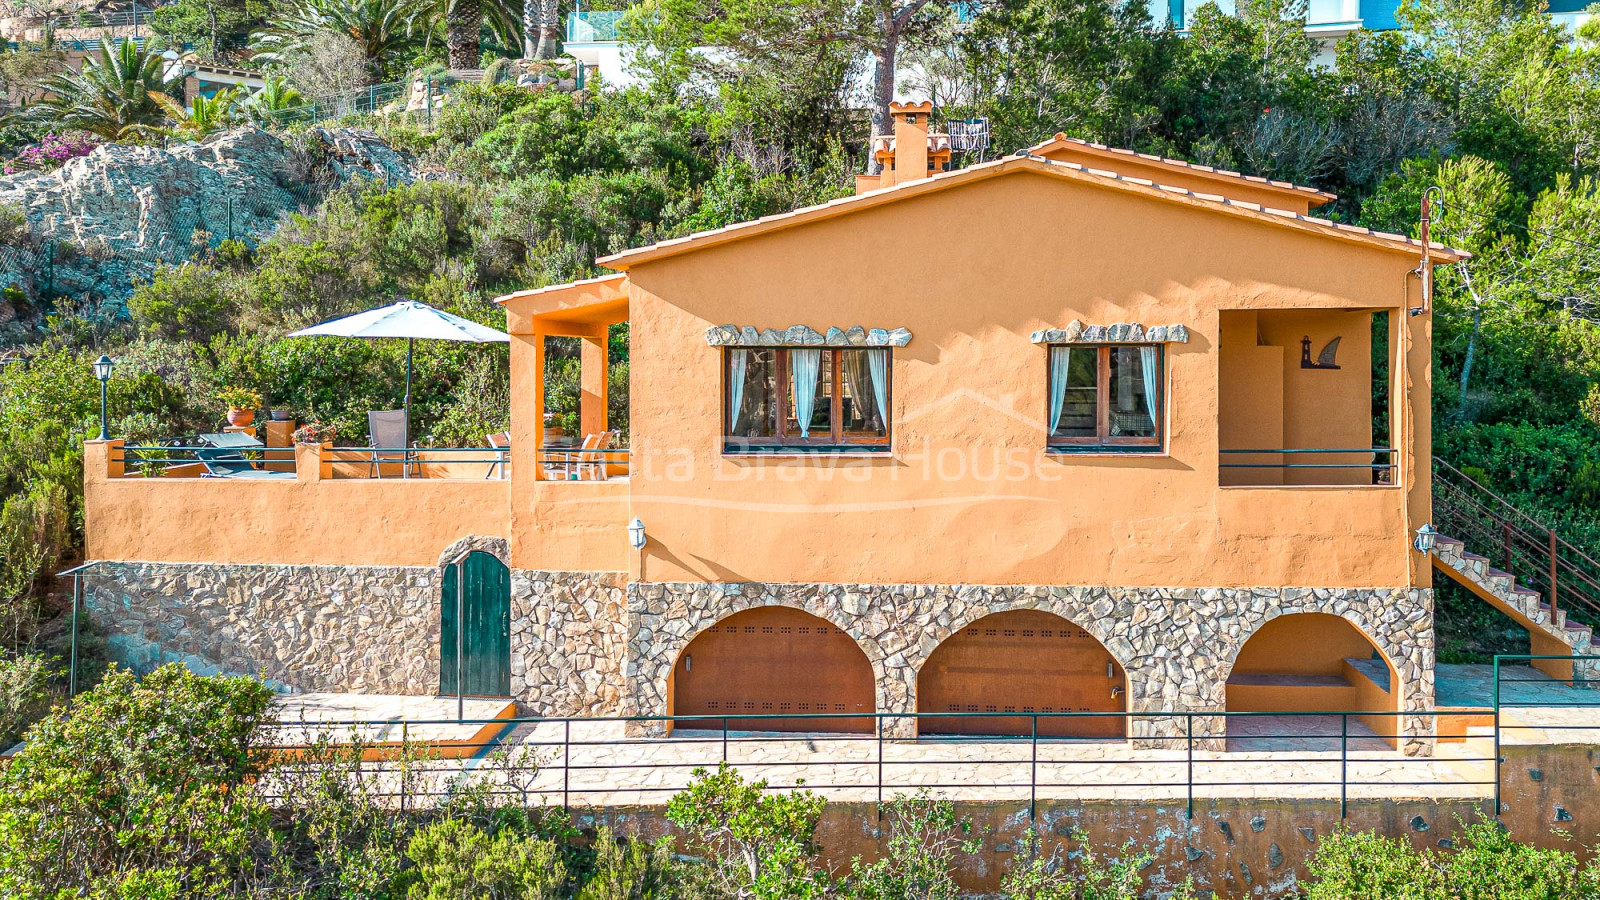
1168, 161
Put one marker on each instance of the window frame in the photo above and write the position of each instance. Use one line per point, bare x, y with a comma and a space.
782, 442
1103, 441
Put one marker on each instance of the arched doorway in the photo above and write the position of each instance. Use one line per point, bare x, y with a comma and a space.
1022, 661
479, 623
1310, 663
771, 661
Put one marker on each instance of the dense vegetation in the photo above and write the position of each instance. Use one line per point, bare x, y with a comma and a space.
1484, 98
158, 788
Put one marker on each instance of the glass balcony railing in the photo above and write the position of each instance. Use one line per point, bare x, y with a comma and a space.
594, 26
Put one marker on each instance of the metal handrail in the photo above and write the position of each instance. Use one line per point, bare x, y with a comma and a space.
1385, 451
725, 732
1554, 566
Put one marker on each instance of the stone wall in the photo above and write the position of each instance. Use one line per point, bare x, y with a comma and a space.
1177, 645
569, 632
363, 629
591, 644
358, 629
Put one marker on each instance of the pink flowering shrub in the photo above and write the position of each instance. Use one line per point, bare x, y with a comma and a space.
51, 152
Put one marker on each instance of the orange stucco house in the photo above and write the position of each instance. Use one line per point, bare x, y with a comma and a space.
1076, 430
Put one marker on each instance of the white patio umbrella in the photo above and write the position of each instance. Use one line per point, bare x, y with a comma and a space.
409, 319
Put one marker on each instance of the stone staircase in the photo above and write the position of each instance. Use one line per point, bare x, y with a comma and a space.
1523, 604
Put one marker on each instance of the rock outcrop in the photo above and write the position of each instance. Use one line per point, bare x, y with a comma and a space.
122, 210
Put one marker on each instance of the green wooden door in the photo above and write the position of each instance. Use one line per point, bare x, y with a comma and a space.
486, 634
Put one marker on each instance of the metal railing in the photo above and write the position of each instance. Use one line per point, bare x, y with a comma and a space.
578, 464
143, 460
1558, 724
1298, 452
1189, 757
1380, 460
1567, 577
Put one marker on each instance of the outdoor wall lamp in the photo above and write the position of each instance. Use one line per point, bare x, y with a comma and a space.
1425, 538
636, 534
102, 370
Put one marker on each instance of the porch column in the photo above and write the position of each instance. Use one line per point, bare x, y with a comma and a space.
527, 403
594, 377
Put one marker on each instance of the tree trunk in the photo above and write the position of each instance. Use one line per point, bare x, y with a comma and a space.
883, 88
530, 28
463, 22
1472, 343
549, 28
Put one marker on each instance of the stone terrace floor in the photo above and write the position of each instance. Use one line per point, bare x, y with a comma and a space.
1269, 757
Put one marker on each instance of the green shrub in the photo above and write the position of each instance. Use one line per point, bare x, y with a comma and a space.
1086, 875
141, 787
1486, 864
760, 841
24, 693
455, 860
924, 836
1489, 865
633, 870
1362, 864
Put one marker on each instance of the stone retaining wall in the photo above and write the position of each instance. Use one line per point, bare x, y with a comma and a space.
1177, 645
358, 629
591, 644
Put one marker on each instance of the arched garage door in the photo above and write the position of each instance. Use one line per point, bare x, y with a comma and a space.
1020, 662
773, 661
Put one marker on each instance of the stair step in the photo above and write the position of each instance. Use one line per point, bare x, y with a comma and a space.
1468, 554
1447, 539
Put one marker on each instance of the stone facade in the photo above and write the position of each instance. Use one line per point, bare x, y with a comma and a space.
592, 644
569, 635
1177, 645
358, 629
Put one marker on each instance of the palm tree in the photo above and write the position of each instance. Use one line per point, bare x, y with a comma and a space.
203, 115
274, 96
464, 20
115, 94
463, 23
383, 28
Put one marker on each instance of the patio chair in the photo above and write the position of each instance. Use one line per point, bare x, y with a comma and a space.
224, 457
592, 465
564, 466
386, 435
501, 442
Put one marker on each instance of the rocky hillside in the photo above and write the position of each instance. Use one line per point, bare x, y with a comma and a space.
104, 219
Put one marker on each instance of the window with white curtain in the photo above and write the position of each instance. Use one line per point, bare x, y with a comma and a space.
809, 398
1105, 397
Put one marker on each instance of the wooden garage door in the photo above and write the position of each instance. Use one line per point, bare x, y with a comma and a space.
772, 661
1022, 661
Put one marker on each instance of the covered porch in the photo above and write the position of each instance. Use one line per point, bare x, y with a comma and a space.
543, 436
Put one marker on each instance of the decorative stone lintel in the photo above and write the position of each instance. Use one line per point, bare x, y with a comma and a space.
805, 336
1122, 332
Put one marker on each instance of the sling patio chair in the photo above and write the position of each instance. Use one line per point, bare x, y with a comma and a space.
224, 457
570, 465
501, 442
386, 435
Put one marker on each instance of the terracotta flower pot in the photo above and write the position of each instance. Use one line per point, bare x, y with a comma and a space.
241, 417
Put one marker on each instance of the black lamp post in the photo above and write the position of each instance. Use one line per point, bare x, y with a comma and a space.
102, 370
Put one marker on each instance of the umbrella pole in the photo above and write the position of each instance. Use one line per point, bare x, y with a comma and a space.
405, 441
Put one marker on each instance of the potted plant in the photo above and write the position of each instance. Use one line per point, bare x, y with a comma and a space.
314, 433
242, 403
